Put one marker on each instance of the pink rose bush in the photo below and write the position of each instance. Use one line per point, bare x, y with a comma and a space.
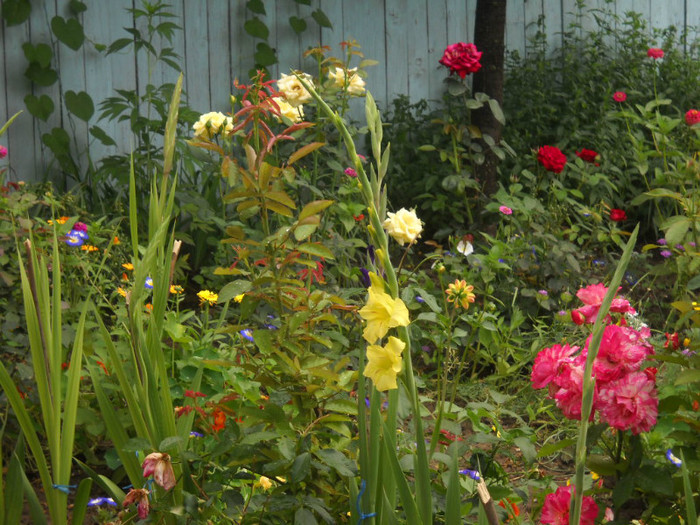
625, 394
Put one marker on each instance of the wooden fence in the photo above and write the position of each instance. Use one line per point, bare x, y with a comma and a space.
406, 37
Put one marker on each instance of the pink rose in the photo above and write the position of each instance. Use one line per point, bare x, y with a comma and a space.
619, 96
461, 58
3, 151
692, 117
505, 210
655, 53
551, 158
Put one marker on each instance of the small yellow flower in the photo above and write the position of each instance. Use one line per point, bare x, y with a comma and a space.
60, 220
176, 289
89, 248
686, 342
498, 432
239, 298
264, 482
594, 476
206, 296
460, 293
128, 266
121, 291
382, 311
384, 363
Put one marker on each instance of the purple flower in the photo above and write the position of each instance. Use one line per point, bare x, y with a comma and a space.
420, 299
562, 313
680, 247
79, 233
502, 261
543, 292
426, 349
271, 327
598, 262
80, 226
74, 240
691, 243
247, 333
95, 502
665, 254
196, 434
661, 241
364, 275
471, 473
370, 252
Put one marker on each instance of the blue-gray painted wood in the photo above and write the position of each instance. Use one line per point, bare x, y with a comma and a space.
406, 37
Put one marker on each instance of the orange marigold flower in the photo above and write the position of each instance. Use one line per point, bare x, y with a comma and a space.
116, 240
89, 248
128, 266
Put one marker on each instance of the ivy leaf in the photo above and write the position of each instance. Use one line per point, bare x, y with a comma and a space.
80, 104
41, 54
14, 12
304, 516
70, 32
100, 135
256, 6
43, 76
76, 7
40, 107
265, 55
257, 28
321, 19
298, 24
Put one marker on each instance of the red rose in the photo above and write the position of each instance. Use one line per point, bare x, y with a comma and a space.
587, 155
462, 59
655, 52
692, 117
551, 158
618, 215
619, 96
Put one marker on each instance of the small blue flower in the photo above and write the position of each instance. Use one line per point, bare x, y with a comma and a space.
471, 473
74, 240
79, 233
598, 262
101, 501
370, 252
420, 299
247, 333
149, 283
271, 327
673, 459
196, 434
502, 261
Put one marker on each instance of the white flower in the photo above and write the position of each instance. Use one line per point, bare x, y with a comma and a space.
404, 226
465, 247
295, 114
348, 79
211, 124
295, 93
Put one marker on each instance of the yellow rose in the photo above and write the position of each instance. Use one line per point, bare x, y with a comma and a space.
295, 93
295, 114
384, 363
348, 79
404, 226
211, 124
381, 311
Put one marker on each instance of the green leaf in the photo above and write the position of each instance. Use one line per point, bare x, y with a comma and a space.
80, 104
82, 497
102, 136
256, 6
313, 207
14, 12
57, 141
321, 19
303, 151
76, 7
43, 76
337, 461
688, 376
300, 468
69, 32
265, 55
233, 289
257, 28
497, 111
298, 24
304, 516
623, 490
675, 228
552, 448
317, 249
41, 107
526, 447
41, 54
170, 443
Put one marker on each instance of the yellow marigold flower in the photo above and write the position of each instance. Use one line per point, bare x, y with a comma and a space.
128, 266
176, 289
60, 220
206, 296
239, 298
384, 363
121, 291
460, 293
89, 248
382, 311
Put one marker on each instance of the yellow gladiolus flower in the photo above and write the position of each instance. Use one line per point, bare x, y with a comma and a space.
384, 363
382, 311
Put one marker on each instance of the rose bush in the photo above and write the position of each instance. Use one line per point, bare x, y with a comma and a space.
462, 59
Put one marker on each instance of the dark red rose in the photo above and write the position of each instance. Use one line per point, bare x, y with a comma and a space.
587, 155
617, 215
551, 158
462, 59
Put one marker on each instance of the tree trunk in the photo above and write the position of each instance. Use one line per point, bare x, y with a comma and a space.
489, 37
